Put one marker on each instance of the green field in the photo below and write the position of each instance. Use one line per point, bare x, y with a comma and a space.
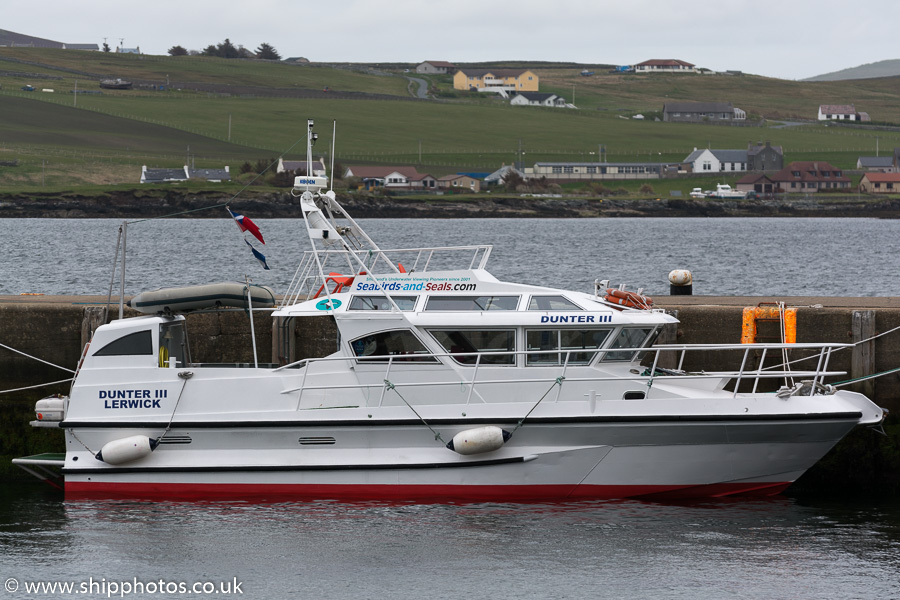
105, 139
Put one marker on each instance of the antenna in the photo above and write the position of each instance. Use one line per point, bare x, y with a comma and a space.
333, 139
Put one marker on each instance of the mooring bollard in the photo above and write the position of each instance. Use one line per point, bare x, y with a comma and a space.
681, 283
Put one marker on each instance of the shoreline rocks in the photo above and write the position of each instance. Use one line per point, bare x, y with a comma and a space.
173, 203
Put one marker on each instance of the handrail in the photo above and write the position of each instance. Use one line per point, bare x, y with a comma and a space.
561, 368
306, 279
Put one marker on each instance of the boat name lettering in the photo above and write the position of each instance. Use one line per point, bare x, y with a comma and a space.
133, 403
132, 398
576, 319
416, 287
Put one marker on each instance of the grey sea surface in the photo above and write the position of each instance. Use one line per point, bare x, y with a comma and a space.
771, 548
746, 257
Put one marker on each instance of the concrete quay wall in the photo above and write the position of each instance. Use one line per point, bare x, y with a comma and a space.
55, 328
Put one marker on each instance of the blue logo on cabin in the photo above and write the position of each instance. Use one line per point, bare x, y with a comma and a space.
328, 304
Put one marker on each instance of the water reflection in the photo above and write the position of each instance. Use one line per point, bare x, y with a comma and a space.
736, 548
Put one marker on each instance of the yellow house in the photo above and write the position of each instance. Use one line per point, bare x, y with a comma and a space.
491, 80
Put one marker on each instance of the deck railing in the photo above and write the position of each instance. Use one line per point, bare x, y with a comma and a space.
643, 371
308, 282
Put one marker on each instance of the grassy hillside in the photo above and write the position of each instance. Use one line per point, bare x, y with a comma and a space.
245, 116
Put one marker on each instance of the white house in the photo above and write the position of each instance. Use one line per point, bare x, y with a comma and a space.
667, 65
717, 161
537, 99
838, 112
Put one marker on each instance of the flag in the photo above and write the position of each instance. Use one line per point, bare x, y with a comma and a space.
258, 255
245, 224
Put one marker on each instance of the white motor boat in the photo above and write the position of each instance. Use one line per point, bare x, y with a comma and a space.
723, 190
447, 385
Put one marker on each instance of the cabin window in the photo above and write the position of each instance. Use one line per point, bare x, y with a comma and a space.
479, 303
381, 302
139, 343
399, 345
173, 344
552, 303
563, 341
462, 342
629, 337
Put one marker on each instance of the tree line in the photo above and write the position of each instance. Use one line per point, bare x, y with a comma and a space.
228, 50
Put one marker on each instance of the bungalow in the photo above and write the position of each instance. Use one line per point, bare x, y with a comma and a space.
435, 67
163, 175
877, 164
299, 167
665, 66
593, 171
810, 176
183, 174
459, 182
696, 112
499, 176
495, 80
715, 161
838, 112
880, 183
396, 178
537, 99
211, 175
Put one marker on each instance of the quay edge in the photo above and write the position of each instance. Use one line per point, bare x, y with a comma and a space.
55, 328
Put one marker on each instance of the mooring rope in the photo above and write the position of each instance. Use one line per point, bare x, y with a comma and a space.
36, 358
40, 385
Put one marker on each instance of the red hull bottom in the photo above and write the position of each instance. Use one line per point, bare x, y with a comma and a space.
416, 493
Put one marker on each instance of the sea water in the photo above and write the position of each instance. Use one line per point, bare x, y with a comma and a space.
745, 257
771, 548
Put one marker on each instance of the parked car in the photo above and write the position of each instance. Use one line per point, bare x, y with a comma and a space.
27, 88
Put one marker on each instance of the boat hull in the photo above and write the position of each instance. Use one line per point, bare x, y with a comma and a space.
542, 462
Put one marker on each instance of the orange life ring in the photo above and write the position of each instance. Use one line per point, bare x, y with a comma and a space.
629, 299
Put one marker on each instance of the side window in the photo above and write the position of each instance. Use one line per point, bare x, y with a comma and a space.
139, 343
462, 342
563, 340
552, 303
398, 345
629, 337
381, 303
477, 303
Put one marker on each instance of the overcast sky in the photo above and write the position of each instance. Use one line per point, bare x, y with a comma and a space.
792, 39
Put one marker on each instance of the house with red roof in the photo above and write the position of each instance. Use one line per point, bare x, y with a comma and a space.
810, 176
838, 112
666, 65
880, 183
756, 182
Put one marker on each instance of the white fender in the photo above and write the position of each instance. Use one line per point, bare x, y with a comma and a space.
478, 440
127, 449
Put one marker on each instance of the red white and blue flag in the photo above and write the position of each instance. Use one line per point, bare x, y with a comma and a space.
245, 224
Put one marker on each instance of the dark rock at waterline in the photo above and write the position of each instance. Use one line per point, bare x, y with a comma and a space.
180, 203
